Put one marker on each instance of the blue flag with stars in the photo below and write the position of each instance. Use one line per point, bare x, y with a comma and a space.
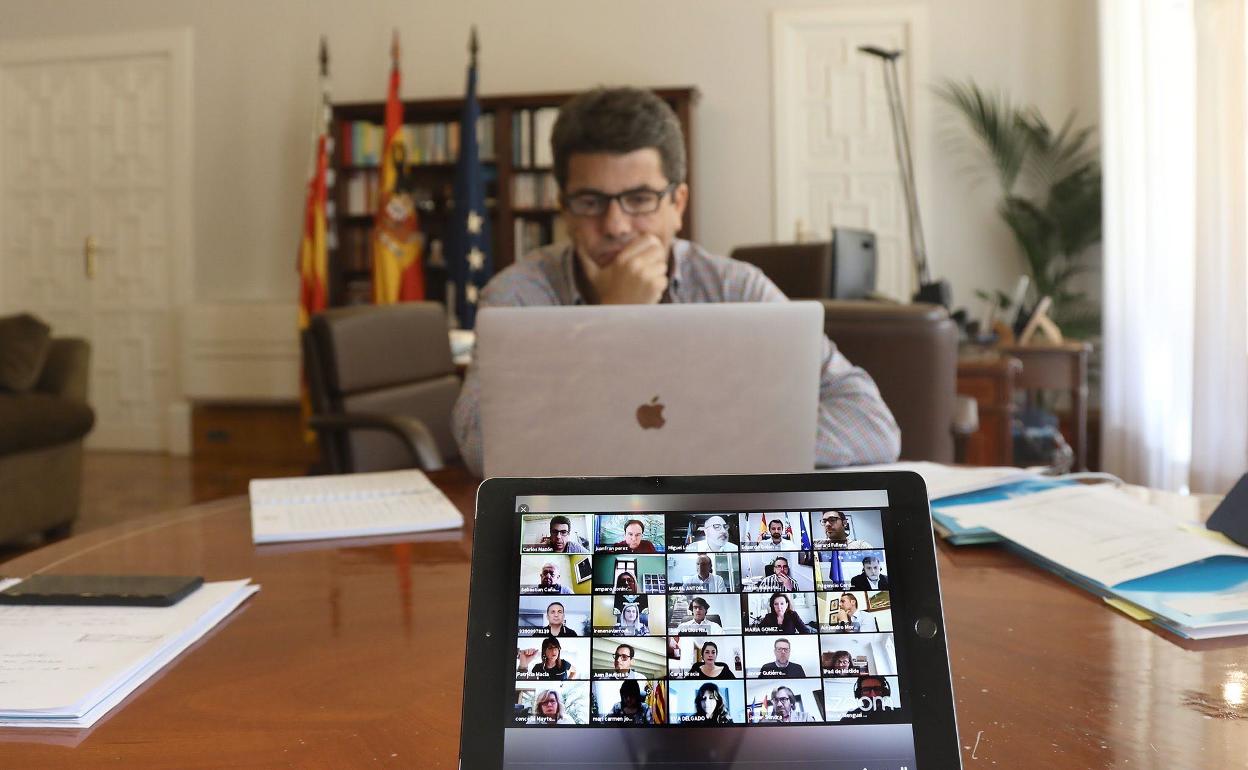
469, 236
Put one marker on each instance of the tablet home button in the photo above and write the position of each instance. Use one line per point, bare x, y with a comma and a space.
925, 628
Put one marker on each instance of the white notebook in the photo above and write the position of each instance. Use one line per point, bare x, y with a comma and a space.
349, 505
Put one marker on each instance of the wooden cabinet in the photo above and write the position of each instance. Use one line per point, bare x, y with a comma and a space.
516, 170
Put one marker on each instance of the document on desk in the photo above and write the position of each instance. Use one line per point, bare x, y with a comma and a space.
67, 666
1095, 531
948, 480
349, 505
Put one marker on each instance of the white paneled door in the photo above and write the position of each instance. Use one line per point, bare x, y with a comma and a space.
834, 152
93, 200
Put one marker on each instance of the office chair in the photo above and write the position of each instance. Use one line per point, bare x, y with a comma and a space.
911, 351
797, 269
382, 386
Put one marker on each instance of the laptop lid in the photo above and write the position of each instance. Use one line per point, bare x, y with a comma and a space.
779, 620
633, 389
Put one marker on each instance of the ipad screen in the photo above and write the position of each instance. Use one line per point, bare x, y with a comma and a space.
644, 621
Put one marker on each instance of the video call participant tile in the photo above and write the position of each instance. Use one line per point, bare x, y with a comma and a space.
547, 657
557, 616
551, 703
557, 574
788, 571
854, 612
710, 703
629, 533
847, 529
628, 657
775, 531
702, 533
716, 573
704, 614
848, 655
781, 657
860, 698
556, 533
780, 613
705, 657
628, 703
784, 701
629, 574
629, 615
857, 570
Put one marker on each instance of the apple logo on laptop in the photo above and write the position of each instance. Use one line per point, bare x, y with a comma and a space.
651, 415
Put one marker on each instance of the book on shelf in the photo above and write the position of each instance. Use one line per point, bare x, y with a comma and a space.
534, 190
543, 127
530, 137
427, 142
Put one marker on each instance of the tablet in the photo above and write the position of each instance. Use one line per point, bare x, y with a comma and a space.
713, 621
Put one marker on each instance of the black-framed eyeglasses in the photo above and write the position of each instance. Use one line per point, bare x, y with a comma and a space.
634, 202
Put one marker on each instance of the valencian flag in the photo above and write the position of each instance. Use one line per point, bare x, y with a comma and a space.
313, 261
657, 701
468, 255
398, 275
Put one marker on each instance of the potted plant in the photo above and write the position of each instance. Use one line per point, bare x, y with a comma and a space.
1051, 193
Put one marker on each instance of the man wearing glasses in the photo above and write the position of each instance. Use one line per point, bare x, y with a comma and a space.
561, 539
623, 667
836, 527
620, 164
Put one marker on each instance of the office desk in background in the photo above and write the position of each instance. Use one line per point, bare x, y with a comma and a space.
351, 655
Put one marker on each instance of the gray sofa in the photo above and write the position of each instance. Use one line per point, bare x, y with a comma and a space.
41, 434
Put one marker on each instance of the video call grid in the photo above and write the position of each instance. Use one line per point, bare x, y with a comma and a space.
605, 640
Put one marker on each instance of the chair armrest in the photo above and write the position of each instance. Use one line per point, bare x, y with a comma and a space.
65, 373
413, 433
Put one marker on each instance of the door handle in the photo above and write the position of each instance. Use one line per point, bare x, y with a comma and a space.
89, 249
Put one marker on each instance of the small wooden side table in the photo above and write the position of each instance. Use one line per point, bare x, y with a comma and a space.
989, 378
992, 375
1059, 366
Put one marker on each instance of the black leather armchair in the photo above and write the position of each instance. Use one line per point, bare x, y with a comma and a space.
911, 351
382, 385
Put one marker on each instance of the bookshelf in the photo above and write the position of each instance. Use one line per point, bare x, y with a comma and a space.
521, 194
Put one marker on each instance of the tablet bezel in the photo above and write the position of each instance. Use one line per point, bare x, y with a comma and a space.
489, 670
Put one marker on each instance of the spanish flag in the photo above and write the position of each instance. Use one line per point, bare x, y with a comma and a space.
313, 260
398, 275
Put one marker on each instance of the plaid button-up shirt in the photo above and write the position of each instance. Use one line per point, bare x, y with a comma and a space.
855, 427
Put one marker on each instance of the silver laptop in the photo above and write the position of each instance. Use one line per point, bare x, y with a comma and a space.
650, 389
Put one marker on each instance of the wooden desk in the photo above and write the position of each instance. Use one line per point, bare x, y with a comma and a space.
352, 656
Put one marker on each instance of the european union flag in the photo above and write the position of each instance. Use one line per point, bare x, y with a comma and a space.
469, 237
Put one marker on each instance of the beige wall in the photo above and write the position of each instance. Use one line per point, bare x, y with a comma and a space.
255, 92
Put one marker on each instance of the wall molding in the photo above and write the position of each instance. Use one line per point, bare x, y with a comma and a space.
242, 352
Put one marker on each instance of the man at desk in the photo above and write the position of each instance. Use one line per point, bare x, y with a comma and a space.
620, 164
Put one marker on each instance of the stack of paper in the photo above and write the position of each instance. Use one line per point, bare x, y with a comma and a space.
69, 666
351, 505
954, 486
1142, 560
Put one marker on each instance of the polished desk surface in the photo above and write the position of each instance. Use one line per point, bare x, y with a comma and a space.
352, 655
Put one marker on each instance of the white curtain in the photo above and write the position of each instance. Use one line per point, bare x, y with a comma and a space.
1175, 399
1220, 384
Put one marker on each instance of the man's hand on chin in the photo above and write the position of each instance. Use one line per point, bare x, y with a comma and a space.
637, 276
